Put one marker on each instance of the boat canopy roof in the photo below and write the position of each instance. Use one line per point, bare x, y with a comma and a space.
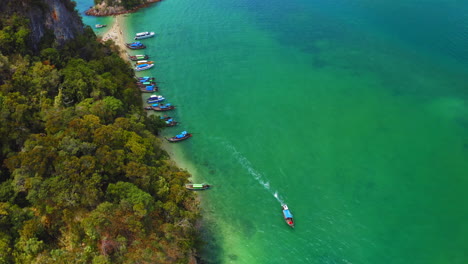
197, 185
142, 34
287, 214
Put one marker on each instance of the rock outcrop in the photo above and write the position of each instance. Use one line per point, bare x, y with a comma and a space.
58, 16
105, 10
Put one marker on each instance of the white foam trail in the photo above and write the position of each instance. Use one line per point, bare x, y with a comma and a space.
245, 163
280, 200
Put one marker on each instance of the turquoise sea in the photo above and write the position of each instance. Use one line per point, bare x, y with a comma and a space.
354, 113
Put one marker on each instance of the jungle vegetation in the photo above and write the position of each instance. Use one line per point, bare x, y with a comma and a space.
83, 176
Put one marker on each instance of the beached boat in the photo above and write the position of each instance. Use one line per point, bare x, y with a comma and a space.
141, 62
182, 136
160, 107
144, 67
288, 217
197, 187
155, 99
144, 35
148, 89
99, 26
135, 45
138, 57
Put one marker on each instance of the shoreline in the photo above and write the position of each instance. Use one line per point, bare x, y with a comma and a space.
93, 11
116, 33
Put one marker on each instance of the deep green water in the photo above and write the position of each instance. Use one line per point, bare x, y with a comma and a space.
354, 113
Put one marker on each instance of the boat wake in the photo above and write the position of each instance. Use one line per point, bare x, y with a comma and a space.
245, 163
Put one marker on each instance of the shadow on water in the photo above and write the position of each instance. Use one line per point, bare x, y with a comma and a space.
209, 248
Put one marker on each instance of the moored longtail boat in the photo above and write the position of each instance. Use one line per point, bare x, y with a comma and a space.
143, 84
160, 107
140, 62
148, 89
182, 136
138, 57
146, 79
169, 121
135, 45
197, 187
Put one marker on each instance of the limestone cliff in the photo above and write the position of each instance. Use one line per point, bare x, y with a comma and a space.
58, 16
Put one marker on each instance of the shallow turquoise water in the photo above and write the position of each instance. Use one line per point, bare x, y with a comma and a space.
354, 113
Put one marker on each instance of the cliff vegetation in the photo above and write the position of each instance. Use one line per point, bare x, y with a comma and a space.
116, 7
83, 176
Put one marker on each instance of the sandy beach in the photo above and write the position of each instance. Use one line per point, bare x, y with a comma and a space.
116, 33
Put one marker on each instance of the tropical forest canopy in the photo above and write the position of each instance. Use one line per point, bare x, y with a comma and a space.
83, 176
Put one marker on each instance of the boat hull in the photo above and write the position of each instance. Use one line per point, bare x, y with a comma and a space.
145, 90
288, 217
190, 187
174, 139
144, 68
137, 58
129, 45
148, 35
160, 109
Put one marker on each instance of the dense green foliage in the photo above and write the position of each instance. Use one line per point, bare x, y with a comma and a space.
84, 179
127, 4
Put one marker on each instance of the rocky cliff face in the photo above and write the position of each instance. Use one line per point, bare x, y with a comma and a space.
59, 16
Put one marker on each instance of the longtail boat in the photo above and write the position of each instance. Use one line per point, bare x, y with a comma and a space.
140, 62
197, 187
138, 57
135, 45
143, 84
146, 79
148, 89
182, 136
169, 121
160, 107
288, 217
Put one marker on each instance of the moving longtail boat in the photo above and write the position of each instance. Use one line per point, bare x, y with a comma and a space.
197, 187
135, 45
182, 136
138, 57
288, 217
160, 107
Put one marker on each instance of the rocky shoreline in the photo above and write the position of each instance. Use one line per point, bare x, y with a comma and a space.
104, 10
